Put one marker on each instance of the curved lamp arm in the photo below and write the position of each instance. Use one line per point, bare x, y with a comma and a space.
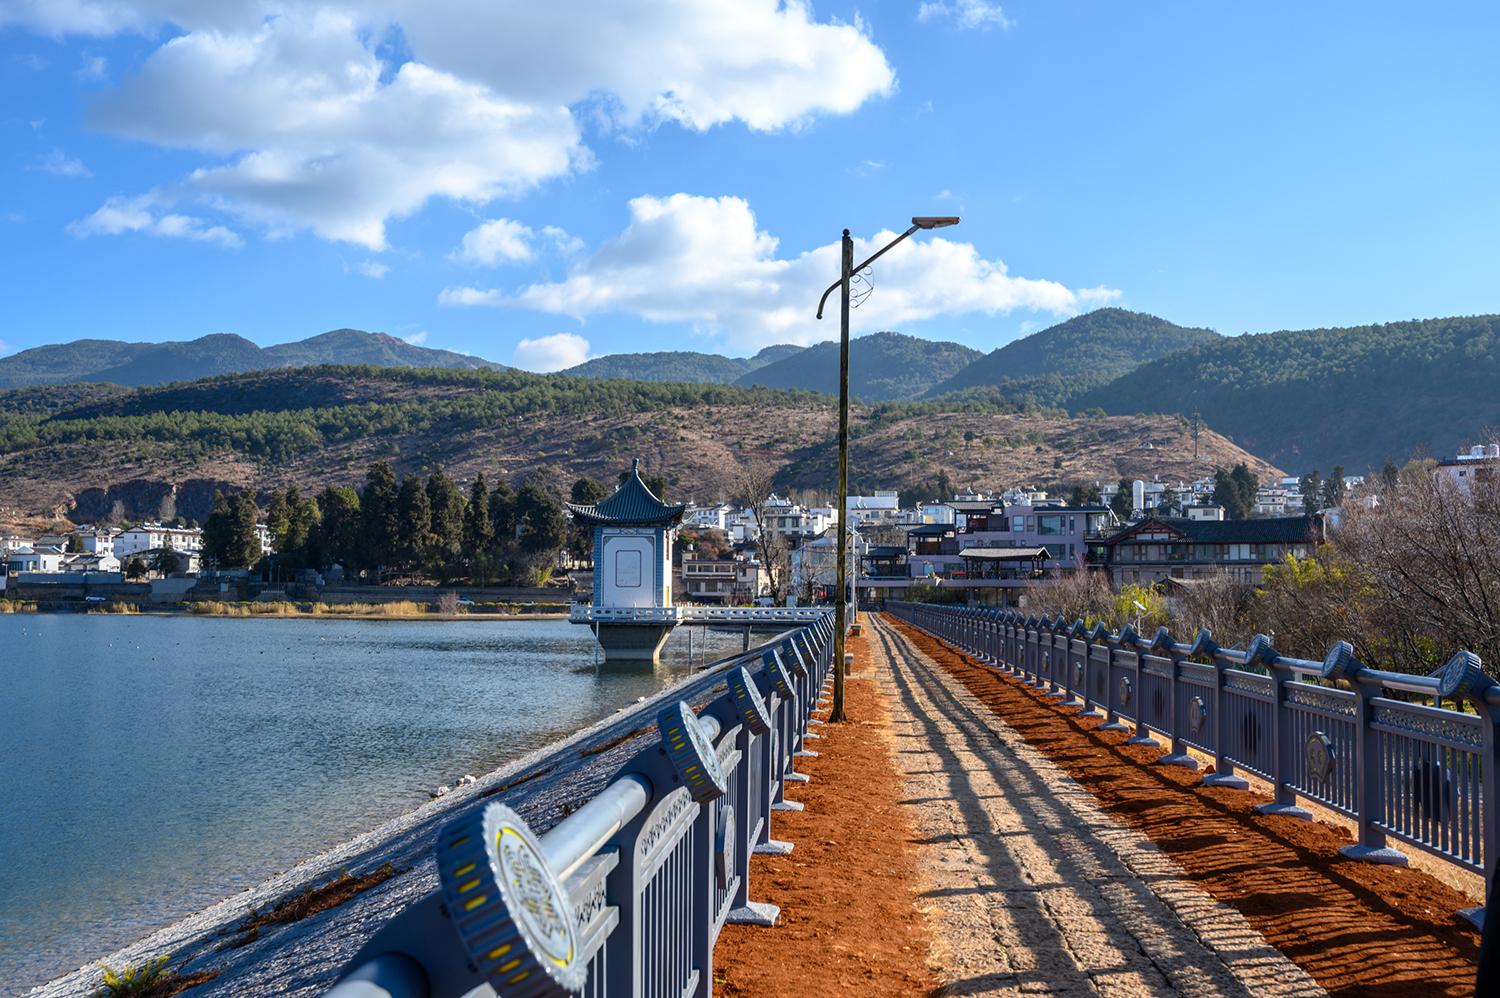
837, 284
920, 222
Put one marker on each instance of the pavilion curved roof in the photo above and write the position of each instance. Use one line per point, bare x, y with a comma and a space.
632, 505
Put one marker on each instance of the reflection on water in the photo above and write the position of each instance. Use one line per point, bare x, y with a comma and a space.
155, 765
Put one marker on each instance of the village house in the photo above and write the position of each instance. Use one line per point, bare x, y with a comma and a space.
728, 579
1480, 463
1158, 549
154, 536
42, 558
884, 507
814, 565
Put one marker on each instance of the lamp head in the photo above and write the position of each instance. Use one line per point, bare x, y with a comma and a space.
934, 221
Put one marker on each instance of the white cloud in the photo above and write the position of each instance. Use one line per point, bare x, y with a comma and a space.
307, 126
469, 296
502, 240
766, 63
704, 262
416, 339
60, 164
565, 243
335, 145
120, 215
496, 240
5, 348
551, 353
966, 14
373, 269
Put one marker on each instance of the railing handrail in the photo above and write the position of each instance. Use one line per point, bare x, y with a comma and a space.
1423, 775
508, 898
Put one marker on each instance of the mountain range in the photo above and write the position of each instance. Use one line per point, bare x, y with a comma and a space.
883, 367
76, 450
1090, 349
1301, 399
680, 365
139, 364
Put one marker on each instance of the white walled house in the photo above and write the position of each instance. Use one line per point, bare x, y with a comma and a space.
1480, 463
153, 536
882, 507
42, 558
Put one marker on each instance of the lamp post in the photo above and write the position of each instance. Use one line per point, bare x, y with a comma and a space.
847, 270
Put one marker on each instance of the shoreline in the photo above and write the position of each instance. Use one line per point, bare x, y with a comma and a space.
276, 611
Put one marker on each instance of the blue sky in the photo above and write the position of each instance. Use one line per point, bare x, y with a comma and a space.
596, 178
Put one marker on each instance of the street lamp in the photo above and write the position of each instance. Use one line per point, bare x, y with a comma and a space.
847, 270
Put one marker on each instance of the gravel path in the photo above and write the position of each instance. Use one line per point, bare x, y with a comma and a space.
1033, 889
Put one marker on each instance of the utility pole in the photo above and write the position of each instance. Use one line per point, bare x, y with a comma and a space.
847, 270
846, 274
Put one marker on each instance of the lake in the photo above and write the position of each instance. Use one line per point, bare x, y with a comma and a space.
153, 765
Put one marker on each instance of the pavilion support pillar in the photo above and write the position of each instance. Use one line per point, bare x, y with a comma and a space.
633, 642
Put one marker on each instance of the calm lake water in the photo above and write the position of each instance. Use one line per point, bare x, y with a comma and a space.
152, 765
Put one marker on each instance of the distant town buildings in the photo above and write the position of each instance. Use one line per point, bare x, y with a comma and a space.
1480, 463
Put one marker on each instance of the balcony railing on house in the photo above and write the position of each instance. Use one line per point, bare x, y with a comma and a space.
1378, 747
627, 894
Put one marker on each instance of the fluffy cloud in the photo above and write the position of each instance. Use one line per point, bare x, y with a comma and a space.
335, 145
551, 353
701, 63
120, 215
469, 296
373, 269
704, 262
309, 126
502, 240
966, 14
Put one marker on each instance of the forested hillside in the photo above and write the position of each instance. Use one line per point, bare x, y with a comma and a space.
87, 448
138, 364
883, 367
1319, 397
1051, 366
680, 365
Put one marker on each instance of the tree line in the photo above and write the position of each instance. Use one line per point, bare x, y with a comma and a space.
414, 527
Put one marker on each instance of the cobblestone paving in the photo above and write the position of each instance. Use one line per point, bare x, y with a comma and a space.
1032, 889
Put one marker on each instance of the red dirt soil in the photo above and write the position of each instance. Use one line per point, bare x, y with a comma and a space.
849, 920
1357, 928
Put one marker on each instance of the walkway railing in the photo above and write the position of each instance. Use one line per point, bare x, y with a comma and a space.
628, 893
585, 614
1378, 747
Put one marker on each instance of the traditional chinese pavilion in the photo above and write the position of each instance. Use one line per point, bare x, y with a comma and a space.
632, 601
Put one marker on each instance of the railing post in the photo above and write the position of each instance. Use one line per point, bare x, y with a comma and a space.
1090, 708
1071, 667
1283, 761
1142, 734
1112, 692
1489, 765
1369, 801
1178, 755
1223, 774
1053, 689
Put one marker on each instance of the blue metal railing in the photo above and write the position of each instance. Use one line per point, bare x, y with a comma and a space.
628, 894
1335, 732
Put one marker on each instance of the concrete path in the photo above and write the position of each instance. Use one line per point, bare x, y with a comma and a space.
1034, 890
